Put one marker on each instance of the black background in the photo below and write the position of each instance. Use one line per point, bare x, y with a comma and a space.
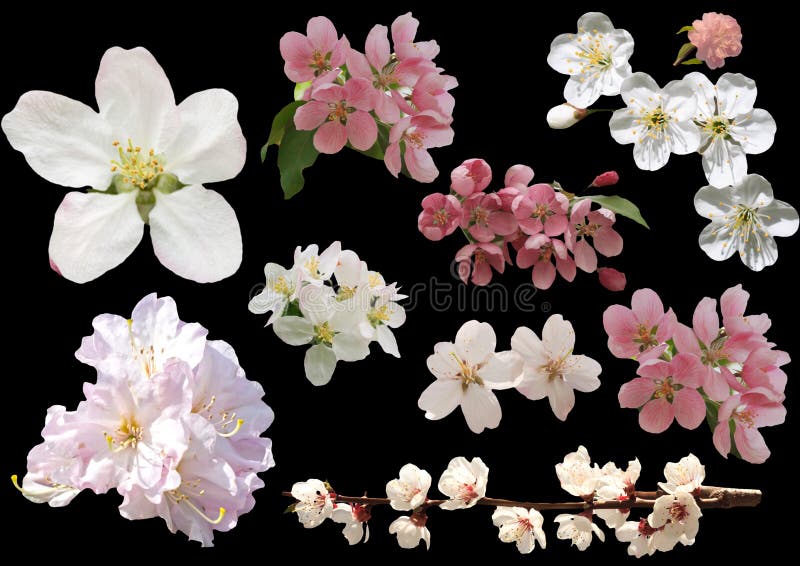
362, 427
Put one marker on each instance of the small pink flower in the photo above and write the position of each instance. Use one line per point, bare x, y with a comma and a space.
639, 332
342, 114
481, 258
309, 56
762, 368
540, 251
606, 179
404, 30
440, 216
418, 133
612, 279
596, 224
519, 177
716, 37
377, 68
472, 176
541, 210
485, 219
666, 391
431, 92
748, 411
733, 304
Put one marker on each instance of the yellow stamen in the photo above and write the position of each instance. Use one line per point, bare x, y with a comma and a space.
239, 423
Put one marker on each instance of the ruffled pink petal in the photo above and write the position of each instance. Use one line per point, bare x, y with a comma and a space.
733, 302
656, 416
404, 28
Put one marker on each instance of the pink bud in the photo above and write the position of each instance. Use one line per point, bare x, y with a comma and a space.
470, 177
612, 279
54, 267
605, 179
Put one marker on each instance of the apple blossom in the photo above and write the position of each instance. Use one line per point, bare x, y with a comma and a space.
410, 530
464, 482
640, 331
314, 502
410, 490
316, 53
685, 475
577, 475
520, 525
678, 516
578, 529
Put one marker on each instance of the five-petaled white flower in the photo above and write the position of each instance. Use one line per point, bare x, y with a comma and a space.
464, 482
578, 529
685, 475
577, 475
410, 490
314, 503
729, 125
466, 373
410, 530
145, 160
596, 58
744, 218
550, 370
657, 121
520, 525
677, 516
279, 290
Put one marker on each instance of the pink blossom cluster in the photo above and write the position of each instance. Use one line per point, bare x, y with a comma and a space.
550, 230
726, 371
716, 36
351, 94
171, 423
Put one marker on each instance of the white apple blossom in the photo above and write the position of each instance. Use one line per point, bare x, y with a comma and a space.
279, 290
564, 116
550, 369
596, 59
314, 503
464, 482
657, 121
354, 517
578, 529
315, 267
520, 525
379, 312
145, 160
745, 218
410, 490
577, 475
411, 530
677, 516
729, 125
467, 372
685, 475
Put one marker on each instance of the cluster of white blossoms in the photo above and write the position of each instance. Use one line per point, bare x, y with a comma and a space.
333, 303
468, 371
607, 492
171, 423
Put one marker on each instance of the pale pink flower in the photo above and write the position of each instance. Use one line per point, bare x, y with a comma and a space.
472, 176
319, 51
612, 279
519, 177
733, 304
595, 224
480, 258
464, 482
540, 251
440, 216
404, 31
748, 411
431, 94
485, 219
640, 332
541, 209
667, 391
417, 133
341, 114
716, 37
606, 179
762, 368
376, 67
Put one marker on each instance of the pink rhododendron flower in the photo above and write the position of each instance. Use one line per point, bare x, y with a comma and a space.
596, 224
716, 37
341, 114
612, 279
309, 56
667, 391
641, 331
440, 216
480, 258
540, 251
472, 176
541, 209
404, 30
485, 219
417, 133
748, 411
606, 179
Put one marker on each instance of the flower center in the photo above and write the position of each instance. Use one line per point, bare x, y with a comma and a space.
361, 513
542, 211
678, 512
480, 215
320, 62
554, 369
345, 293
127, 435
645, 529
587, 229
339, 111
224, 421
440, 217
718, 126
468, 373
323, 334
666, 388
466, 492
312, 266
655, 121
742, 222
646, 337
282, 286
414, 138
145, 354
480, 256
136, 169
546, 252
744, 416
595, 56
378, 316
374, 280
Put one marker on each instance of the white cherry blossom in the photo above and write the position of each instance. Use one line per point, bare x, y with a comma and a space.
578, 529
577, 475
521, 526
464, 482
677, 516
314, 503
410, 530
410, 490
685, 475
354, 518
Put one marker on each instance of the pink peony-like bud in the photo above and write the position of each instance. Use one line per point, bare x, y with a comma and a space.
716, 37
606, 179
612, 279
470, 177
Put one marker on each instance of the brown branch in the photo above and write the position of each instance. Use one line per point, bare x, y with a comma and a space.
709, 498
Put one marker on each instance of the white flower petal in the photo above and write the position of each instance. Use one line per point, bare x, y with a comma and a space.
582, 373
440, 398
320, 362
736, 94
475, 342
724, 163
756, 131
350, 347
63, 140
716, 242
93, 233
592, 21
651, 154
502, 371
713, 203
527, 344
208, 145
681, 102
558, 337
294, 330
779, 218
442, 363
562, 398
196, 234
760, 251
625, 126
704, 92
387, 341
562, 54
582, 90
684, 137
639, 91
481, 409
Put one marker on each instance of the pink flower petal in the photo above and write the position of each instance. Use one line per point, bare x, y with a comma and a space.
392, 158
686, 340
690, 409
688, 370
585, 257
722, 438
502, 223
636, 393
358, 65
751, 445
619, 321
377, 47
362, 131
608, 242
311, 115
543, 275
656, 416
705, 321
647, 306
734, 302
360, 94
555, 225
716, 385
481, 273
518, 176
612, 279
330, 137
322, 34
420, 165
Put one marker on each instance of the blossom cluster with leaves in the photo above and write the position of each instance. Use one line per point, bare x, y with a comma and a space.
725, 373
171, 423
391, 102
551, 230
332, 302
608, 493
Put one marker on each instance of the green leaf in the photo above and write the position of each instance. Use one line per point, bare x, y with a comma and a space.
684, 52
378, 150
712, 408
683, 29
279, 123
295, 153
290, 508
292, 309
300, 90
621, 206
694, 61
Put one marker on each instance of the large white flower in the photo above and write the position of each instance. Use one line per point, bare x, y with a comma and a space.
520, 525
678, 517
729, 125
145, 160
550, 370
685, 475
578, 529
314, 503
745, 218
577, 475
410, 490
657, 121
466, 373
464, 482
596, 58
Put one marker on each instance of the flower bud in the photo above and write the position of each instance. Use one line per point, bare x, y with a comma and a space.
565, 115
605, 179
612, 279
